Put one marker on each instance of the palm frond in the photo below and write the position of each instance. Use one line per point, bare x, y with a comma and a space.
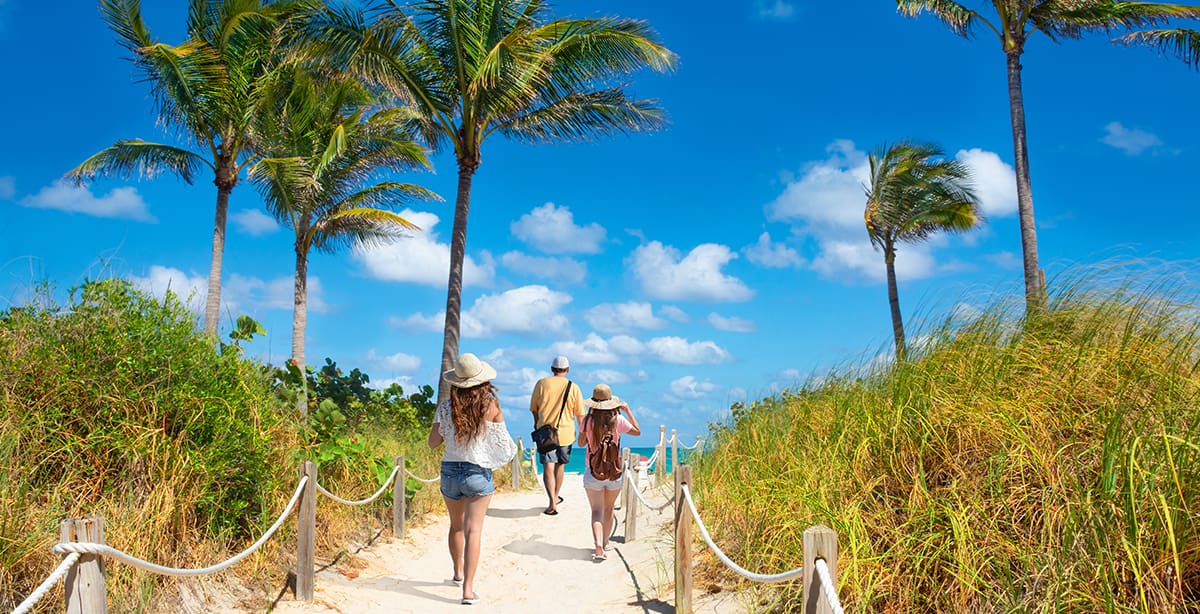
141, 159
583, 117
960, 19
1179, 42
914, 193
365, 227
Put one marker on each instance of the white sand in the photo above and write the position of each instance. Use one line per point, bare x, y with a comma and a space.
531, 563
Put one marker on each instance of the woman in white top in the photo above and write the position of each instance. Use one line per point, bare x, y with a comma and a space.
603, 424
472, 427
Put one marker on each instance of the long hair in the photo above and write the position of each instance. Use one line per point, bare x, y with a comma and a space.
468, 405
604, 421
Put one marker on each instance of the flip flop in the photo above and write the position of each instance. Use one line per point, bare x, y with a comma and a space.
560, 498
471, 601
599, 557
550, 512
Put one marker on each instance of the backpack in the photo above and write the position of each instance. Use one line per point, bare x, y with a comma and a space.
605, 461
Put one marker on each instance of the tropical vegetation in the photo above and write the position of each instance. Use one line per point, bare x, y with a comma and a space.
1051, 465
207, 90
1014, 23
473, 69
914, 193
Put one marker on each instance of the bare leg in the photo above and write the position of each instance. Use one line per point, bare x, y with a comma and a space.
476, 511
559, 470
456, 537
596, 501
610, 499
552, 478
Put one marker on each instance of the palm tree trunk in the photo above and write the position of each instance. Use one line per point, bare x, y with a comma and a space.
458, 248
1035, 293
212, 305
889, 259
300, 322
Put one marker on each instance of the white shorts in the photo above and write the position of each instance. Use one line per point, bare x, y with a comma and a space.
592, 483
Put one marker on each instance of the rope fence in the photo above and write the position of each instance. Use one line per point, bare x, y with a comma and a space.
371, 499
47, 584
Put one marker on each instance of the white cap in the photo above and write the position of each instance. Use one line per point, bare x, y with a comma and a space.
560, 362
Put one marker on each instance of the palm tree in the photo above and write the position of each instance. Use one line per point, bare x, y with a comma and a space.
914, 193
1015, 22
322, 151
477, 68
1182, 43
206, 88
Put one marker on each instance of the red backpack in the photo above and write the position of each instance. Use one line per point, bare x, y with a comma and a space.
604, 458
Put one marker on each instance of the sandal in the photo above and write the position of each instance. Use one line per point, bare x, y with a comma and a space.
472, 600
550, 512
599, 557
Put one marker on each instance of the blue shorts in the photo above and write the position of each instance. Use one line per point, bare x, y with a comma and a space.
466, 480
560, 456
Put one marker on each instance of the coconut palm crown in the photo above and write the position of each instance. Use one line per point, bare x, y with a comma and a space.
473, 69
323, 147
1014, 22
914, 193
206, 90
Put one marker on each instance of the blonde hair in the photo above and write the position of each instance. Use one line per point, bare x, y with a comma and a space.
468, 407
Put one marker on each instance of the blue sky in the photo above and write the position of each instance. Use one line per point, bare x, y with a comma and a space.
716, 261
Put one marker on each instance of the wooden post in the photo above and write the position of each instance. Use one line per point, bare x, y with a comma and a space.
306, 533
516, 467
683, 542
659, 472
820, 542
533, 464
674, 450
399, 500
631, 502
84, 584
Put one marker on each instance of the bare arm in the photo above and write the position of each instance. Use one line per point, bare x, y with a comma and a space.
636, 430
435, 435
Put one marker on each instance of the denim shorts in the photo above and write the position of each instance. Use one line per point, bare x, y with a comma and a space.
466, 480
560, 456
591, 483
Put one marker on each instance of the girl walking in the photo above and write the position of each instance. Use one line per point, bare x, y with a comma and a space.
600, 432
472, 427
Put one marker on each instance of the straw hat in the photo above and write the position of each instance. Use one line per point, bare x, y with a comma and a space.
602, 398
469, 371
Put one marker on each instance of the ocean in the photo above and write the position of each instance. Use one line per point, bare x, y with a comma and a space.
579, 458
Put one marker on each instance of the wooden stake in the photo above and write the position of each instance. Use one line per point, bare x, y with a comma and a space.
399, 500
683, 542
820, 542
306, 533
85, 590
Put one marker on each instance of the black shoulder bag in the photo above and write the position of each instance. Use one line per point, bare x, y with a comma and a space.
546, 436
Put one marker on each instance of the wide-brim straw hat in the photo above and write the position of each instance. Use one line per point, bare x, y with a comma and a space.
602, 398
469, 371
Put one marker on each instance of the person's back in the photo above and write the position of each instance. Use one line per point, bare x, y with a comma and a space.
558, 402
601, 433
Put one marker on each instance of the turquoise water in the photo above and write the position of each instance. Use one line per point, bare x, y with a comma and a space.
579, 458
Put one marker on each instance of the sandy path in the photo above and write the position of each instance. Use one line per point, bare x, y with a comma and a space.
531, 563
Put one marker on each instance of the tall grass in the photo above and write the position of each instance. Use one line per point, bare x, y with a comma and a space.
114, 405
1008, 466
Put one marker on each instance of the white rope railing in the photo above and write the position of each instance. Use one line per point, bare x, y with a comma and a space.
831, 595
649, 462
638, 493
421, 479
109, 551
779, 577
47, 584
378, 493
675, 438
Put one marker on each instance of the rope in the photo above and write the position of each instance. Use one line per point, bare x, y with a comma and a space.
827, 586
386, 483
779, 577
649, 462
691, 447
109, 551
47, 584
637, 492
419, 479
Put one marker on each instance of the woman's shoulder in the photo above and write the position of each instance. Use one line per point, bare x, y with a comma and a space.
493, 413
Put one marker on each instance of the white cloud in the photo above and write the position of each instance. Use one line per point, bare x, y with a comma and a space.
777, 9
398, 362
594, 350
826, 204
120, 203
406, 382
552, 230
731, 324
772, 255
687, 387
680, 351
254, 222
278, 293
189, 288
612, 376
1130, 141
623, 317
419, 258
697, 276
1005, 260
566, 270
674, 313
994, 180
8, 188
531, 311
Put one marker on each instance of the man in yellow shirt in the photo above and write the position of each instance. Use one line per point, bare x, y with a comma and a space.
558, 401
